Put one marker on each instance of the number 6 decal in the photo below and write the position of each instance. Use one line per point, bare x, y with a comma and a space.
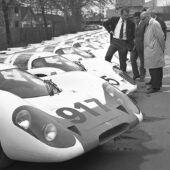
111, 81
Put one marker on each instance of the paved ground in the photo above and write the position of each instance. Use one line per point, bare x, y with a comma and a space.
147, 147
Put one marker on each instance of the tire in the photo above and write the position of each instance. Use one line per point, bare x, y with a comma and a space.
4, 160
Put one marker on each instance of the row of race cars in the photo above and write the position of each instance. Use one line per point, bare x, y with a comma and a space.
60, 98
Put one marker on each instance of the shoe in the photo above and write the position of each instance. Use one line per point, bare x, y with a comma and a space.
142, 79
148, 83
151, 90
135, 77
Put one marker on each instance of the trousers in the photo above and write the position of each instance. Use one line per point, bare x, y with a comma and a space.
156, 77
138, 52
122, 47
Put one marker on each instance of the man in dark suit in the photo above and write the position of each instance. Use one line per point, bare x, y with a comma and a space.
121, 31
138, 50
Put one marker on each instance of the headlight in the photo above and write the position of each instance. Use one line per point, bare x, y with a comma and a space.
50, 132
42, 126
121, 98
23, 119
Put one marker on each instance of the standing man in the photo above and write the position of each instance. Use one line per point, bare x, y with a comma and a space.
121, 31
161, 22
154, 46
138, 50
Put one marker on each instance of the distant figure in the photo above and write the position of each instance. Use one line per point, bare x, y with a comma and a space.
121, 31
154, 46
138, 50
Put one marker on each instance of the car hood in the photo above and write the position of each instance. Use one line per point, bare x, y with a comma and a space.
81, 109
94, 65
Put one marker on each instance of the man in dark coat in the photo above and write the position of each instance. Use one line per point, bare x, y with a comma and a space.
121, 31
138, 50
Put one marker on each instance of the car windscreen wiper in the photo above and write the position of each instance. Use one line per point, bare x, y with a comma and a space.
80, 65
52, 87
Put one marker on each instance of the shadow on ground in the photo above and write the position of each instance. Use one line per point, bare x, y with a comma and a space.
119, 154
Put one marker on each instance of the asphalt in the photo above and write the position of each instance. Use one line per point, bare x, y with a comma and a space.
147, 147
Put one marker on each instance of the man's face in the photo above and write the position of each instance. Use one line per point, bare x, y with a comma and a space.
136, 20
145, 19
125, 15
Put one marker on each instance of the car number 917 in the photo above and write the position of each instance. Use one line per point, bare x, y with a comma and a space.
75, 116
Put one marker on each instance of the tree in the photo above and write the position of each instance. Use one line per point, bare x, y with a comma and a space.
40, 6
5, 9
74, 8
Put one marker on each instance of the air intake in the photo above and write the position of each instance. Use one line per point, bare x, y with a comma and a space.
112, 133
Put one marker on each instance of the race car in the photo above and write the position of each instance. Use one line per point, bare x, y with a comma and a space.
101, 68
82, 49
98, 52
59, 119
43, 64
47, 64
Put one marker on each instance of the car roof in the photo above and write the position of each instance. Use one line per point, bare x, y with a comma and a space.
6, 67
35, 53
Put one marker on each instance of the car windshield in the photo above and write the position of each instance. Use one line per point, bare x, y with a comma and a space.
83, 53
22, 84
22, 61
3, 58
56, 62
89, 45
68, 50
72, 50
49, 48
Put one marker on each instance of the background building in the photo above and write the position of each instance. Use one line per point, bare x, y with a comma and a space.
133, 5
160, 7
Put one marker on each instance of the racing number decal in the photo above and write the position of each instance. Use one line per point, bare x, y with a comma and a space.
77, 117
98, 103
111, 81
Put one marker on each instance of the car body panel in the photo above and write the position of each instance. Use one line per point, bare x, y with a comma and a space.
82, 95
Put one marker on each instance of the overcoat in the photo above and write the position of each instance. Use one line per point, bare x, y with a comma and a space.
154, 45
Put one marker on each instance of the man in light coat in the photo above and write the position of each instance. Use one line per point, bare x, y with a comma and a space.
154, 46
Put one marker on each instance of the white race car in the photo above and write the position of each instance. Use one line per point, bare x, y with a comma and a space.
59, 119
43, 64
47, 64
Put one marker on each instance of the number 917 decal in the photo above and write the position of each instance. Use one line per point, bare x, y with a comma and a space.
75, 116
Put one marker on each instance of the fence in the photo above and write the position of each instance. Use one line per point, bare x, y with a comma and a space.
23, 36
2, 39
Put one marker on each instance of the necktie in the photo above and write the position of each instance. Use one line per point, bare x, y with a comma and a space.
121, 30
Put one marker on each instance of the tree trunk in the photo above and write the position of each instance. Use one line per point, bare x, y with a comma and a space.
66, 20
45, 24
42, 6
77, 18
6, 20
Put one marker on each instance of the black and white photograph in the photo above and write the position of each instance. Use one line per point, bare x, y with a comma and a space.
85, 84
